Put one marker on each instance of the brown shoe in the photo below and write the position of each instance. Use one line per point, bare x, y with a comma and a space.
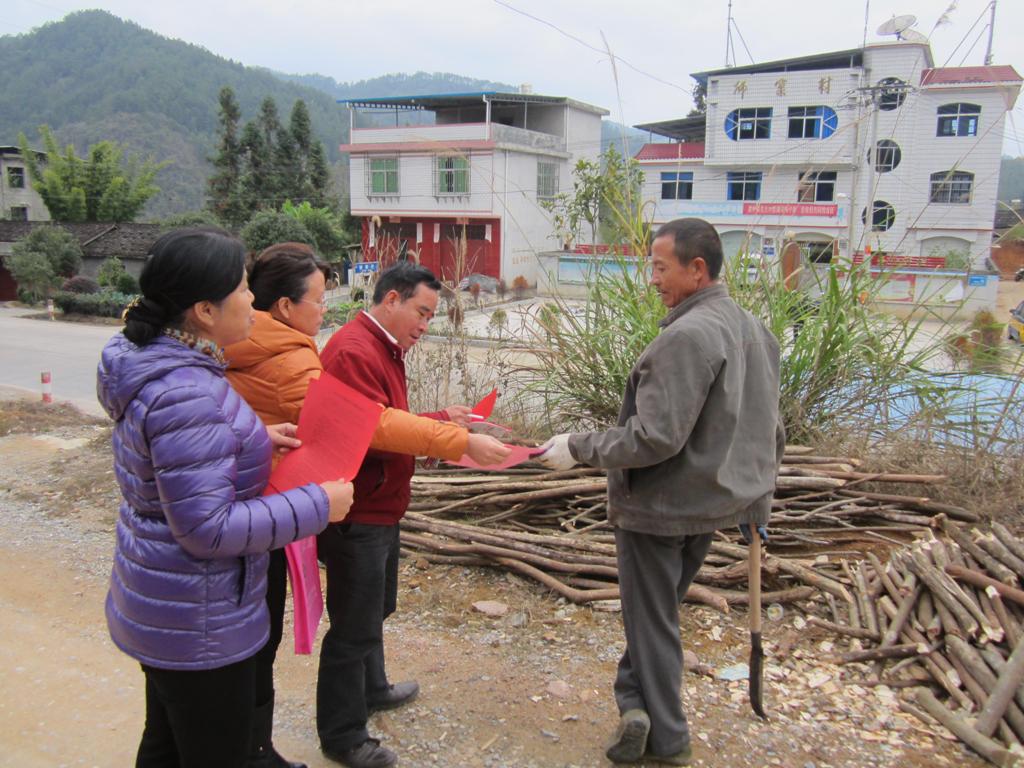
631, 737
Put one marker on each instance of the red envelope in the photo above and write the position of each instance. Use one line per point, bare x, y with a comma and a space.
485, 407
520, 453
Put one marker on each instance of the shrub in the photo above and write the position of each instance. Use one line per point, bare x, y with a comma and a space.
40, 259
80, 284
102, 304
501, 289
499, 321
126, 283
455, 314
357, 294
269, 227
190, 219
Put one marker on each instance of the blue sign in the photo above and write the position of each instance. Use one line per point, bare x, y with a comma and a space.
977, 280
365, 267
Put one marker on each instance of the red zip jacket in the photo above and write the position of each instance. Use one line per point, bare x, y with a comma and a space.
361, 355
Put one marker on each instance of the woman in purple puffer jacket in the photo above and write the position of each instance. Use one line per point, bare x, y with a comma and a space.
187, 592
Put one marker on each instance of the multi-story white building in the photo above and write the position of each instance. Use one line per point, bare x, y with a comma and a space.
479, 171
866, 150
18, 200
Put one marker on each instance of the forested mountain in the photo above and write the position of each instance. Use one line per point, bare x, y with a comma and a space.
1011, 179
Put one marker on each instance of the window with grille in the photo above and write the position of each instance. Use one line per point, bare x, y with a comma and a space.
16, 177
818, 251
816, 187
451, 175
951, 187
883, 216
382, 176
958, 120
891, 93
547, 179
677, 185
751, 123
19, 213
887, 155
812, 122
743, 185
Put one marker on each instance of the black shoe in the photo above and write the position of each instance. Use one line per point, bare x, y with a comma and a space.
369, 754
395, 696
270, 758
263, 754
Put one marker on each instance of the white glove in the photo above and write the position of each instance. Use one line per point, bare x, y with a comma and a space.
556, 453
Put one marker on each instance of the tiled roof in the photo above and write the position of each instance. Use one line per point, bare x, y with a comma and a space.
1002, 73
674, 151
129, 240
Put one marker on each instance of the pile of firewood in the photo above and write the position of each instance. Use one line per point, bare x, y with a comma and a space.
553, 527
946, 614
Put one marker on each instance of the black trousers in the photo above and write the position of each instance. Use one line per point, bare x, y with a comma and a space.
197, 719
654, 574
277, 589
362, 587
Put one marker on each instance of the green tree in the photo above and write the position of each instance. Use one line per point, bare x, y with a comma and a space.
104, 186
323, 224
312, 179
224, 186
258, 185
41, 260
269, 227
601, 192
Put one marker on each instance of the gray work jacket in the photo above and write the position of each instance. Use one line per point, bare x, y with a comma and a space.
699, 442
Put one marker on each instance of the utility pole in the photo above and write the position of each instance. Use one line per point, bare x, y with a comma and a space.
991, 29
728, 35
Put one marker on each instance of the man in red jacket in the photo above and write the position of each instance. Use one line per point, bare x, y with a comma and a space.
361, 554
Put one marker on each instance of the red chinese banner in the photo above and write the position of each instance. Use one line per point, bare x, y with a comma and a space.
790, 209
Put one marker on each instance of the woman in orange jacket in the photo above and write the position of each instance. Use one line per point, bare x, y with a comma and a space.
272, 370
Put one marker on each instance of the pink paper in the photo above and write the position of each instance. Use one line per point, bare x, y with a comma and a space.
485, 407
307, 599
335, 427
520, 453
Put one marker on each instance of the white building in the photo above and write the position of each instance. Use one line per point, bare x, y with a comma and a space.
479, 171
18, 200
867, 150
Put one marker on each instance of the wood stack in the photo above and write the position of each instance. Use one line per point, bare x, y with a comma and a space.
945, 615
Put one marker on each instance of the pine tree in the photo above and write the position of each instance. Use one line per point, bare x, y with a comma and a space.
258, 185
224, 186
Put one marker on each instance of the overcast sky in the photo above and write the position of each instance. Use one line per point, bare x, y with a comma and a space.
659, 42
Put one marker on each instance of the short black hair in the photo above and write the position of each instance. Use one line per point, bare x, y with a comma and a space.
404, 277
282, 270
692, 238
184, 266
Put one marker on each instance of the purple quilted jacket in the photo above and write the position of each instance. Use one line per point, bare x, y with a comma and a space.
189, 580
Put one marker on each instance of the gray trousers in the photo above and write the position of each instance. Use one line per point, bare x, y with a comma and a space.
654, 574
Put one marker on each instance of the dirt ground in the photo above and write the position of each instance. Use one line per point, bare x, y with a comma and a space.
531, 688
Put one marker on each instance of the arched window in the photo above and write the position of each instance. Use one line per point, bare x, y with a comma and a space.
750, 123
952, 187
891, 93
812, 122
887, 155
958, 120
883, 216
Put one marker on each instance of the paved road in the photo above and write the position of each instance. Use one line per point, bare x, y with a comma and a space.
69, 351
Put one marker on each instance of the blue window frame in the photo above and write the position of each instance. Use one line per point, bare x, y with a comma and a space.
677, 185
958, 120
751, 123
812, 122
743, 185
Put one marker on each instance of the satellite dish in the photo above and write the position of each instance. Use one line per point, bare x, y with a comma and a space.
912, 36
897, 25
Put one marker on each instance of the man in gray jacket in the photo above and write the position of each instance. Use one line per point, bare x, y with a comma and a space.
697, 448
